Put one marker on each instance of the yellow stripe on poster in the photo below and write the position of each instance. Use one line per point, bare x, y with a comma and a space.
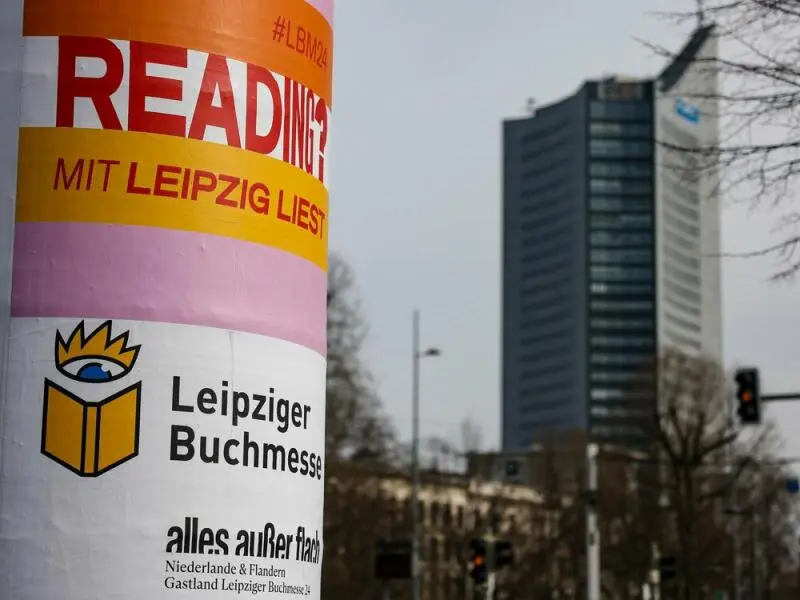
90, 440
124, 178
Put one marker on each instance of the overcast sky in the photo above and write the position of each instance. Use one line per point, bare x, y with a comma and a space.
421, 87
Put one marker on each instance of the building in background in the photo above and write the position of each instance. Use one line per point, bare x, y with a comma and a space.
366, 504
558, 467
611, 249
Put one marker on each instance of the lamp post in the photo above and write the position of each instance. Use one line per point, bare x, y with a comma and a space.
415, 545
592, 531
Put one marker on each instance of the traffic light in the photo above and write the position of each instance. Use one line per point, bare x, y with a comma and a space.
477, 565
489, 555
667, 568
748, 396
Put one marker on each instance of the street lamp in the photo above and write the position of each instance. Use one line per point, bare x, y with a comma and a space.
417, 356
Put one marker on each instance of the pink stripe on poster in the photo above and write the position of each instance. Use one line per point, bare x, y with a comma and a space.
325, 7
148, 274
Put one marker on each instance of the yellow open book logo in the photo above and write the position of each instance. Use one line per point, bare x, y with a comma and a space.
90, 435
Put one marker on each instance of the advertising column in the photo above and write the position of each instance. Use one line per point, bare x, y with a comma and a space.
162, 421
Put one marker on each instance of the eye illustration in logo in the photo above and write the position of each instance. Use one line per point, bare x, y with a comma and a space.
93, 432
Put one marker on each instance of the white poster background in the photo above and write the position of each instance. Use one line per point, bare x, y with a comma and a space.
66, 537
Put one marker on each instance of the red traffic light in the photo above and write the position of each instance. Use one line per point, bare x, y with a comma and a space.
748, 396
477, 566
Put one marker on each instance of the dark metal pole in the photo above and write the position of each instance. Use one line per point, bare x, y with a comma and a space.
415, 541
779, 397
754, 548
733, 500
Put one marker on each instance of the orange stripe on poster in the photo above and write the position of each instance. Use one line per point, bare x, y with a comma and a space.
141, 179
286, 36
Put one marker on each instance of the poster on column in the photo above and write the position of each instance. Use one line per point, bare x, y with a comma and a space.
162, 420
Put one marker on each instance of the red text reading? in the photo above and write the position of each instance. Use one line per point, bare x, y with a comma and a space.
282, 118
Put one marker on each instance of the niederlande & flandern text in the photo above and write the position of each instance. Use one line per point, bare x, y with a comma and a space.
249, 578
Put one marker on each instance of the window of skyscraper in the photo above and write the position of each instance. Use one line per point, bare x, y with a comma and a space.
681, 258
622, 305
620, 288
671, 299
622, 324
682, 291
681, 276
681, 322
613, 376
637, 341
682, 226
626, 130
682, 242
680, 340
678, 136
619, 111
622, 221
619, 359
620, 148
682, 209
634, 169
639, 255
607, 273
611, 204
613, 238
620, 186
607, 394
620, 411
681, 191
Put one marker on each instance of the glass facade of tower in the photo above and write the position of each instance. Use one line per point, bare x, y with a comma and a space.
622, 267
608, 254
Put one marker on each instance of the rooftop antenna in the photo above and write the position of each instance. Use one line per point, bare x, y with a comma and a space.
701, 14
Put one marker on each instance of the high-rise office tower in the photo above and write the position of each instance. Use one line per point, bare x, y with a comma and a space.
611, 248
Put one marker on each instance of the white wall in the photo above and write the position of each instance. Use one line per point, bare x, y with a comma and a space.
693, 325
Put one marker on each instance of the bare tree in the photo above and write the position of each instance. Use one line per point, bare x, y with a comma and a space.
358, 512
356, 427
444, 456
758, 156
701, 460
558, 471
471, 436
768, 528
447, 455
628, 517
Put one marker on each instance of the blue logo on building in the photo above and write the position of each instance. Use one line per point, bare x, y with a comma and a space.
687, 111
